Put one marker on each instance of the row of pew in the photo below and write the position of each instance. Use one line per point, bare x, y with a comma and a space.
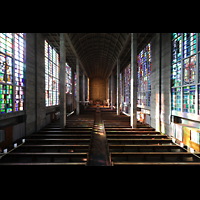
55, 146
142, 145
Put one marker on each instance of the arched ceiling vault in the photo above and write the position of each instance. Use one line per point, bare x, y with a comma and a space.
98, 52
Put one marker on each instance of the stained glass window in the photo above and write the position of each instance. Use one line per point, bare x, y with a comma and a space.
5, 98
127, 86
176, 99
12, 71
19, 98
51, 75
176, 47
189, 44
88, 89
189, 99
189, 71
68, 79
176, 74
199, 98
75, 83
144, 76
184, 62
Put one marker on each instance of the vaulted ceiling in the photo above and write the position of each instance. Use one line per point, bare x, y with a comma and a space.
98, 52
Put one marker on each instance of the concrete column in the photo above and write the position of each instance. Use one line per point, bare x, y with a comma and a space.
107, 90
83, 87
62, 81
133, 80
118, 87
73, 92
112, 91
156, 82
77, 87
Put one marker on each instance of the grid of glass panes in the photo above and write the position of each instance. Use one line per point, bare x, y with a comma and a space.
189, 99
68, 79
143, 77
199, 98
88, 89
20, 66
75, 84
51, 75
176, 99
12, 53
127, 85
183, 74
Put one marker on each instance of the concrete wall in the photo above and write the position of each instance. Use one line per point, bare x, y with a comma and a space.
160, 82
155, 84
35, 83
30, 83
165, 83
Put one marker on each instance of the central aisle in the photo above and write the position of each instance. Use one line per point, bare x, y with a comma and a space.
98, 155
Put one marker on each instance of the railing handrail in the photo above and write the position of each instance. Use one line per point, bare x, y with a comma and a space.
23, 141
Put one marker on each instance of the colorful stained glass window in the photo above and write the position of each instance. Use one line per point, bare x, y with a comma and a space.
189, 44
176, 99
144, 76
88, 89
75, 83
19, 98
176, 74
176, 47
189, 99
199, 68
6, 98
199, 98
12, 71
189, 71
6, 43
51, 75
6, 69
68, 79
184, 62
127, 85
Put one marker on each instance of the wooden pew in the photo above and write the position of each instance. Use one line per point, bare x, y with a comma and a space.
135, 136
57, 141
64, 132
144, 148
53, 148
67, 129
153, 157
45, 157
133, 132
139, 141
156, 163
59, 136
47, 164
129, 129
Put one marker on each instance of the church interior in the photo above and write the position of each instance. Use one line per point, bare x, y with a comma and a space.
100, 99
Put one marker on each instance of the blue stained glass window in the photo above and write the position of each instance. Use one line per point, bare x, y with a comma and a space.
144, 79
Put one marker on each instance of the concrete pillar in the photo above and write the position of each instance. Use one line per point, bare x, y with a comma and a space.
62, 81
133, 80
73, 92
107, 90
118, 87
156, 82
83, 87
77, 87
112, 91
